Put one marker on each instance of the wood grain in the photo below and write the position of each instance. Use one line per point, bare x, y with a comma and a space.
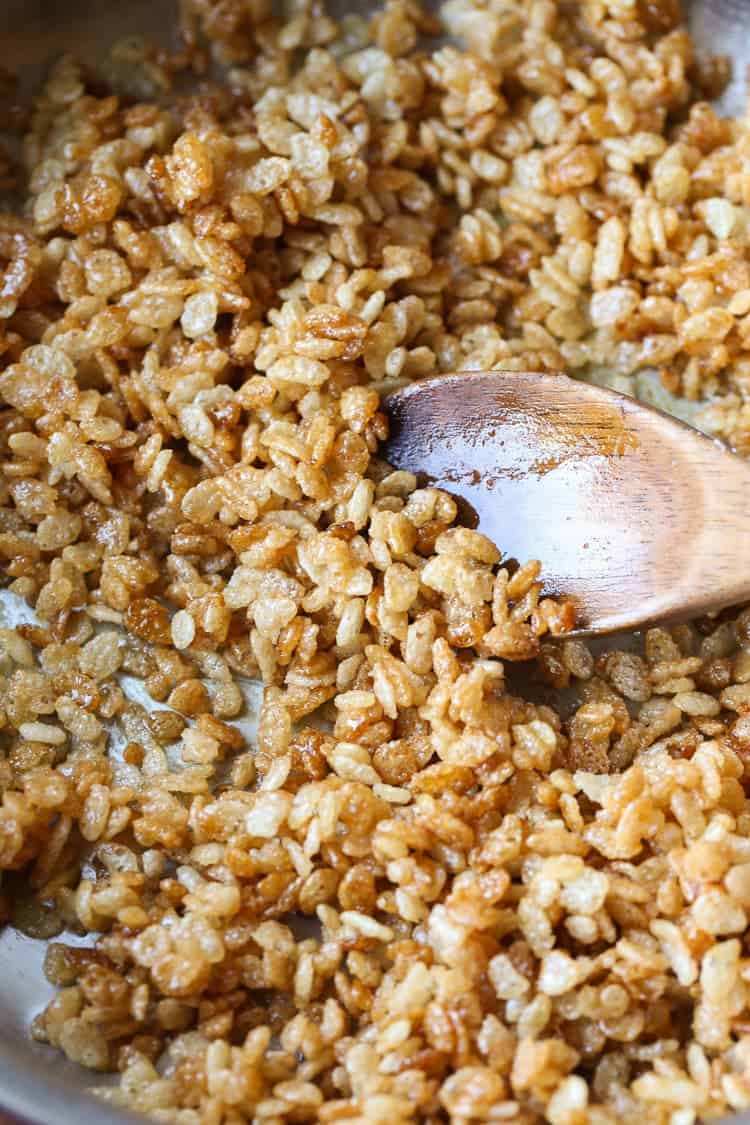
634, 515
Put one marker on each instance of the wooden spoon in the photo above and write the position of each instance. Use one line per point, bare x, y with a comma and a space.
635, 516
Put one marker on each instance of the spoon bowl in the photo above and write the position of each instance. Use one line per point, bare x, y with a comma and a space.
635, 516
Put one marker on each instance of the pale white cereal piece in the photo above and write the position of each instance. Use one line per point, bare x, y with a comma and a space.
398, 483
671, 181
206, 854
595, 785
317, 266
476, 1089
697, 703
42, 732
273, 936
676, 950
365, 925
583, 928
355, 700
420, 637
107, 273
302, 864
360, 503
414, 991
737, 882
670, 1090
17, 648
28, 445
716, 913
309, 156
278, 773
735, 1090
569, 1101
464, 541
372, 307
613, 305
346, 671
401, 587
488, 166
158, 470
610, 245
560, 972
454, 575
215, 900
720, 217
739, 304
183, 629
80, 722
337, 214
586, 893
199, 747
409, 906
95, 813
385, 690
394, 363
709, 324
268, 813
241, 588
546, 119
48, 361
508, 983
534, 745
393, 794
720, 971
46, 210
736, 697
351, 623
57, 531
199, 314
104, 613
271, 614
196, 425
298, 369
268, 174
305, 108
580, 82
394, 1034
352, 762
534, 1017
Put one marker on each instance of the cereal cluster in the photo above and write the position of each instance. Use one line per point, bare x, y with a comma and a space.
467, 870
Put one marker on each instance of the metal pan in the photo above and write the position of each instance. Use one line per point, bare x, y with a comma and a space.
37, 1085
